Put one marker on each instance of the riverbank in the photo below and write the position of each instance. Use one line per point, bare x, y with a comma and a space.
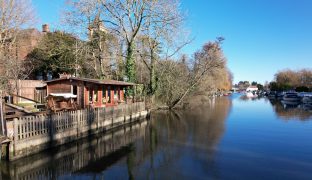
32, 134
106, 148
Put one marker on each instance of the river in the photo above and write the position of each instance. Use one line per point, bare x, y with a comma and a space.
223, 138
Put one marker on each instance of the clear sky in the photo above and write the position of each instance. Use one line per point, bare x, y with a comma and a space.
261, 36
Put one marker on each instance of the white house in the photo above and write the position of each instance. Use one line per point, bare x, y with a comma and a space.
252, 88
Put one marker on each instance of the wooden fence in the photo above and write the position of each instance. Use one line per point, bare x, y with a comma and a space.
40, 95
78, 155
35, 133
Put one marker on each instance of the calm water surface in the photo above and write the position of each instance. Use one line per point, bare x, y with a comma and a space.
223, 138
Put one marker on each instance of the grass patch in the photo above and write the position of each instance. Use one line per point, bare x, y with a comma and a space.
23, 105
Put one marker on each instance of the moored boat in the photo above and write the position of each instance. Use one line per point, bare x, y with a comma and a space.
290, 104
280, 95
291, 96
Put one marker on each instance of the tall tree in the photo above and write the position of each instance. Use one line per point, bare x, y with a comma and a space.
55, 54
178, 80
14, 15
289, 79
100, 48
128, 19
161, 34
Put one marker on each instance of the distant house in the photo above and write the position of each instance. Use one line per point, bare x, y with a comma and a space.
252, 88
85, 92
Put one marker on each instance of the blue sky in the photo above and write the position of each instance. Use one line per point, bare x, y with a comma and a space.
261, 36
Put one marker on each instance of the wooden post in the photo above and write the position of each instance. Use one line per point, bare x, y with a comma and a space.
2, 112
15, 135
113, 116
78, 116
98, 118
134, 94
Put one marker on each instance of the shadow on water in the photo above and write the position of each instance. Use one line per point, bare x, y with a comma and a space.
291, 111
87, 156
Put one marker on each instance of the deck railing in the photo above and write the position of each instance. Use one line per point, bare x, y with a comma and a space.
61, 127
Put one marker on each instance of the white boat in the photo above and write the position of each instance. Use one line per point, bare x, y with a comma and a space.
291, 96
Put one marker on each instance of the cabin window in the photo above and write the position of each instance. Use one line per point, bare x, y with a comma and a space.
75, 90
115, 94
90, 95
108, 95
118, 94
104, 100
95, 95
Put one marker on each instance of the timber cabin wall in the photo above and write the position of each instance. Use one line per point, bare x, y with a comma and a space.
99, 88
83, 89
63, 86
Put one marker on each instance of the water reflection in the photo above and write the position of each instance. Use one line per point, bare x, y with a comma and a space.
291, 111
244, 97
87, 156
203, 142
186, 141
170, 145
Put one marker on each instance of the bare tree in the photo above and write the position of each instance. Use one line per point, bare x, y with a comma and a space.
163, 31
178, 79
14, 15
128, 20
84, 18
290, 79
207, 61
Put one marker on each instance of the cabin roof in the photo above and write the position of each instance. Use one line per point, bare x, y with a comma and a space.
95, 81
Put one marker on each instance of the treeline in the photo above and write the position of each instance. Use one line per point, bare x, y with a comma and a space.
300, 80
168, 81
136, 41
243, 85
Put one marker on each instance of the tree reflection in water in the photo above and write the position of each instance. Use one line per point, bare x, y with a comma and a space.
185, 139
170, 145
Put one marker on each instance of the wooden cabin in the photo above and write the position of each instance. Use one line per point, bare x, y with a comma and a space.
86, 92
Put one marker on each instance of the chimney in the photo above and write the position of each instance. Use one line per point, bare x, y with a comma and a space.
45, 28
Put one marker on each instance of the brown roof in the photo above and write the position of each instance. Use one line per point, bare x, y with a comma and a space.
96, 81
